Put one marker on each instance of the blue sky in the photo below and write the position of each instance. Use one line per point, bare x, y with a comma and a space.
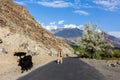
75, 13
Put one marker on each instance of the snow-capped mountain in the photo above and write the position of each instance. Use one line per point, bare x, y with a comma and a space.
116, 34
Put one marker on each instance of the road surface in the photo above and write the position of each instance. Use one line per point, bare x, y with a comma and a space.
71, 69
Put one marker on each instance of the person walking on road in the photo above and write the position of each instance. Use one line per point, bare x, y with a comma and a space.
59, 56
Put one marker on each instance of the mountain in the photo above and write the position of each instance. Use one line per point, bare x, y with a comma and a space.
114, 40
19, 32
69, 33
74, 33
116, 34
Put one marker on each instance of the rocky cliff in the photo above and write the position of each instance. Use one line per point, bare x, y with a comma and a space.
20, 32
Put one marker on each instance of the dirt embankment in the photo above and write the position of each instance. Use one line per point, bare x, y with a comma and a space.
111, 73
9, 69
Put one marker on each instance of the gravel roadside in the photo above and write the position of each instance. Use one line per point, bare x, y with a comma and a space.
111, 73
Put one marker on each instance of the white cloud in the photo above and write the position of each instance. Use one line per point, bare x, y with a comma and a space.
50, 27
81, 12
55, 27
52, 23
70, 26
108, 4
116, 34
61, 22
55, 4
73, 26
20, 3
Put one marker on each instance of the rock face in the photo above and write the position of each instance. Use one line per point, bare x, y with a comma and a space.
20, 32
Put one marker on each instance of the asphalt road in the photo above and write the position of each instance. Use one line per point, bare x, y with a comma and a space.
71, 69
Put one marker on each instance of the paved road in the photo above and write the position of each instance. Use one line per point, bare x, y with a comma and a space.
71, 69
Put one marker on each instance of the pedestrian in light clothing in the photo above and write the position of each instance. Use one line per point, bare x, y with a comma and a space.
59, 56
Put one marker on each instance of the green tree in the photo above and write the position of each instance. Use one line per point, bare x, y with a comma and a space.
108, 49
93, 41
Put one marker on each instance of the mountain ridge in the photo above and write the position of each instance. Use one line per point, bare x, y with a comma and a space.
75, 33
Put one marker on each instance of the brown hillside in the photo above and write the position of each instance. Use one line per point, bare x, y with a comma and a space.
18, 28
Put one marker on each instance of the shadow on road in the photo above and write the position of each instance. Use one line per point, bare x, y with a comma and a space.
71, 69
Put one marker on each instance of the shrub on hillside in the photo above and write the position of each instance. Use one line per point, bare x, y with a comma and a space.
116, 54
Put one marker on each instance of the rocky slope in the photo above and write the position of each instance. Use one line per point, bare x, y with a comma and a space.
20, 32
